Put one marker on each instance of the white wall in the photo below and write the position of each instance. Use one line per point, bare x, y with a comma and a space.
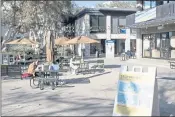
139, 44
127, 41
108, 27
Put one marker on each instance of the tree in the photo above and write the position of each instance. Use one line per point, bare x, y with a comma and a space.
117, 4
34, 17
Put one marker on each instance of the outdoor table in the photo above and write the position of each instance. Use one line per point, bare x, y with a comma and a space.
44, 78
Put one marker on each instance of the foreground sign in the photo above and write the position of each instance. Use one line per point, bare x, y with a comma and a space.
137, 93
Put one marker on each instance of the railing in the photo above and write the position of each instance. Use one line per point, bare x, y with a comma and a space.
165, 10
98, 29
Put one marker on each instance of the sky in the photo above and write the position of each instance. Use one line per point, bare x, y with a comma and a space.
88, 3
93, 3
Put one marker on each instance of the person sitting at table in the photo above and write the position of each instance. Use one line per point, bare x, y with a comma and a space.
73, 67
54, 66
31, 70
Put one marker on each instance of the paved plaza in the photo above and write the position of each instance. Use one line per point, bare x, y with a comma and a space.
83, 95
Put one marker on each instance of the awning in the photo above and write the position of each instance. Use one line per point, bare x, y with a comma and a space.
154, 22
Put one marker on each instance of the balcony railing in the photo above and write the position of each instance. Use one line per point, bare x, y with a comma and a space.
98, 29
166, 10
162, 11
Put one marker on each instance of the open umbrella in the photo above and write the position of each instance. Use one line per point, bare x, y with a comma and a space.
82, 40
23, 41
61, 41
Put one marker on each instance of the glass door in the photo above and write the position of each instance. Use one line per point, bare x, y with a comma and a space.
146, 46
165, 44
152, 44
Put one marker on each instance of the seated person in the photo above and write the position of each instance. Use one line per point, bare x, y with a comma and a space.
54, 66
72, 66
31, 70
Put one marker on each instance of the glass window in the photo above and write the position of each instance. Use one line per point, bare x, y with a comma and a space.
149, 4
97, 23
172, 43
114, 24
94, 22
122, 22
146, 46
165, 45
155, 50
102, 23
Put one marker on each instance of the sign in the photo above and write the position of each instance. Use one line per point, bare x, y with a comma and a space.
137, 93
145, 15
109, 48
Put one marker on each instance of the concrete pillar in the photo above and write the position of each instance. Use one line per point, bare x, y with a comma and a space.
127, 41
87, 33
108, 27
138, 44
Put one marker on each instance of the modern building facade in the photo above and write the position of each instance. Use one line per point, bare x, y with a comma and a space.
154, 32
102, 24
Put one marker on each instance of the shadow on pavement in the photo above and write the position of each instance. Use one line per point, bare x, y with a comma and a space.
112, 66
166, 103
75, 105
82, 80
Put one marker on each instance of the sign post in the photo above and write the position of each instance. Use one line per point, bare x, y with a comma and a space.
110, 49
137, 93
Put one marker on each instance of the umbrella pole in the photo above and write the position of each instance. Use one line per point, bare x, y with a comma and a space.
24, 60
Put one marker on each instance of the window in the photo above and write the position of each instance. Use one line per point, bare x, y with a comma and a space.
146, 46
97, 23
114, 24
149, 4
121, 25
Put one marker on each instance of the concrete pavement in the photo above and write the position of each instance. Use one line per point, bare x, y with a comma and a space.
84, 95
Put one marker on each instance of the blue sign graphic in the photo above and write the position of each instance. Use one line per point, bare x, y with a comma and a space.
127, 99
128, 87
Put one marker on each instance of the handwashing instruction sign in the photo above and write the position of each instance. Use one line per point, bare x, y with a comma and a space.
135, 94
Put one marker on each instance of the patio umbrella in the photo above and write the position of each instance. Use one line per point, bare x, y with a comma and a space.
61, 41
82, 40
23, 41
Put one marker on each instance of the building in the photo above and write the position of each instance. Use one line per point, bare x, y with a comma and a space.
102, 24
146, 4
154, 32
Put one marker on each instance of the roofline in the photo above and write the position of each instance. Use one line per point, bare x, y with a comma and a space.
95, 10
